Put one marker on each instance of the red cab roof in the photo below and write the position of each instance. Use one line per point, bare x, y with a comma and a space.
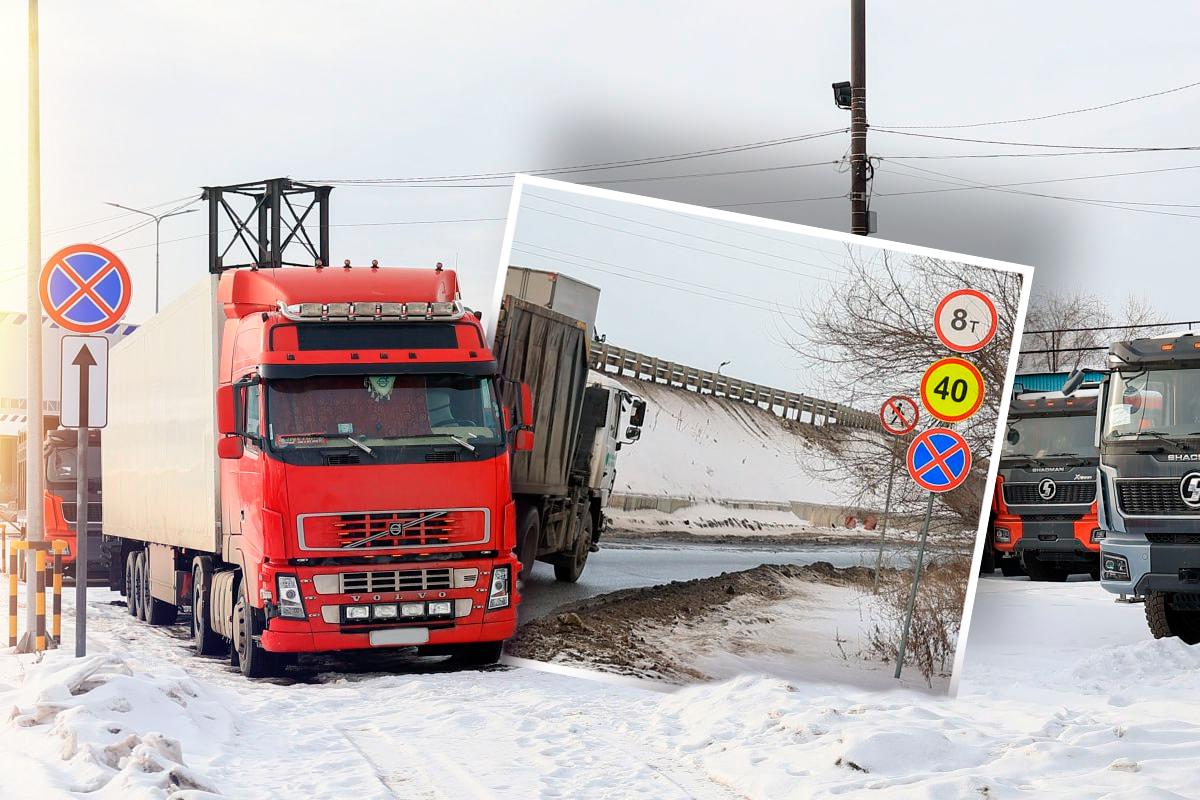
246, 291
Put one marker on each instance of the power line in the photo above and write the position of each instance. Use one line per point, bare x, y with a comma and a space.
1051, 116
680, 244
716, 151
669, 229
669, 286
1187, 323
1101, 148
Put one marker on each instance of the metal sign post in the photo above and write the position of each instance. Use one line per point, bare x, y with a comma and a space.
912, 594
84, 405
887, 510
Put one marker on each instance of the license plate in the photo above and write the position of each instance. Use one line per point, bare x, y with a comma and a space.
399, 636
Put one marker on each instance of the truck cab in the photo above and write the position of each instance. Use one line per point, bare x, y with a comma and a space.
1149, 438
1045, 499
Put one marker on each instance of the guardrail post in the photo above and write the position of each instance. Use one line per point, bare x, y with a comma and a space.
56, 598
12, 594
39, 572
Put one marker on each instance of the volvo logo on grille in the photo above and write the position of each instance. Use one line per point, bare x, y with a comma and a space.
396, 528
1047, 489
1189, 490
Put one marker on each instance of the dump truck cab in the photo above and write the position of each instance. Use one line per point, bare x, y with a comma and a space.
1045, 499
1149, 437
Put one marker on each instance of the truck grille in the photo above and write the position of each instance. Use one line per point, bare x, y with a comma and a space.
415, 580
1067, 493
375, 530
1155, 498
1173, 538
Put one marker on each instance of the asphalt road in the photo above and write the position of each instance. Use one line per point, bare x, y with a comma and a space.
625, 566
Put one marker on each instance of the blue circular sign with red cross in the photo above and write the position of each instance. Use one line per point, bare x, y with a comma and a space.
85, 288
939, 459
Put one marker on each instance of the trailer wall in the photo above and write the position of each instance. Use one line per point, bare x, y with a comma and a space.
159, 464
556, 291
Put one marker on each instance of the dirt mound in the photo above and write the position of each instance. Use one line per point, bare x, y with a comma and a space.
613, 631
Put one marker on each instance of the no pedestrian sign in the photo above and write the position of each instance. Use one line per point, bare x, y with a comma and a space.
939, 459
952, 389
899, 414
85, 288
965, 320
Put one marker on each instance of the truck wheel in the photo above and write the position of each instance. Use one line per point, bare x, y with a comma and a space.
141, 585
1165, 621
1010, 567
569, 566
987, 564
253, 660
131, 594
529, 531
476, 654
1041, 571
208, 643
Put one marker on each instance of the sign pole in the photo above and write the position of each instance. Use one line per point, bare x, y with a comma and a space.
887, 510
85, 362
33, 357
912, 596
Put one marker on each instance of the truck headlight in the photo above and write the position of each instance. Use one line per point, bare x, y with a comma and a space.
412, 609
387, 611
441, 608
290, 602
1003, 535
358, 612
498, 593
1114, 568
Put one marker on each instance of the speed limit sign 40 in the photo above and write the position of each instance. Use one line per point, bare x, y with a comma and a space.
952, 389
965, 320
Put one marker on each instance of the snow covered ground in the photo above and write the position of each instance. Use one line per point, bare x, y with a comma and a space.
1064, 695
686, 444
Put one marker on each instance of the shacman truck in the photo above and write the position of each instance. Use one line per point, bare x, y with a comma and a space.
316, 459
1149, 438
1044, 522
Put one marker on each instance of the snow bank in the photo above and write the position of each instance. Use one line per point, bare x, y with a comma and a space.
117, 730
709, 447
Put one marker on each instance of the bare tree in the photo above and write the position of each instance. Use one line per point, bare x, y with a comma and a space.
874, 330
1066, 331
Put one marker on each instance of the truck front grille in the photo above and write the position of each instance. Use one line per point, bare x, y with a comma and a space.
1066, 493
414, 580
1153, 498
1173, 538
375, 530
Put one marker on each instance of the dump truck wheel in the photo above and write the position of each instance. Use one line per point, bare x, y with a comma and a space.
569, 566
141, 585
987, 564
529, 530
1165, 622
1010, 567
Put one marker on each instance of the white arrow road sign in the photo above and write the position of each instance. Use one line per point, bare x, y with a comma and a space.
83, 401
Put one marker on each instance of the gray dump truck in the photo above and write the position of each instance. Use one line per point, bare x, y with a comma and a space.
1149, 507
562, 485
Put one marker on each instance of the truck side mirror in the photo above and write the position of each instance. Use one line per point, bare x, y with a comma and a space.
638, 417
526, 406
230, 447
227, 410
633, 434
523, 441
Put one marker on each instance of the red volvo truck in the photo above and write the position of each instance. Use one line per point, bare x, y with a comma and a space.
1044, 519
314, 459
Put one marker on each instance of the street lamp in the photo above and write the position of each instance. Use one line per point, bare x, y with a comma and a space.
158, 218
724, 364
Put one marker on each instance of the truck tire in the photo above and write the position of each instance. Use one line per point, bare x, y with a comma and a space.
1165, 622
252, 659
529, 531
1010, 567
476, 654
1041, 571
208, 643
987, 564
569, 566
131, 594
141, 583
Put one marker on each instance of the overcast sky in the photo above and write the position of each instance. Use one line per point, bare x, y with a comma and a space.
143, 103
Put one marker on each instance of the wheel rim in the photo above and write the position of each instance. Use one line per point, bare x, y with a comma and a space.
196, 605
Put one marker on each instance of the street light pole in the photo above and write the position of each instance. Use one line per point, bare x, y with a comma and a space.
158, 218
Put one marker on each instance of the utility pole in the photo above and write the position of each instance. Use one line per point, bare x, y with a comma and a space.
33, 353
158, 218
858, 118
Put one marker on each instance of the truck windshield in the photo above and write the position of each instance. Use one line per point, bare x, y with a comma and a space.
60, 464
1154, 403
381, 411
1041, 437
